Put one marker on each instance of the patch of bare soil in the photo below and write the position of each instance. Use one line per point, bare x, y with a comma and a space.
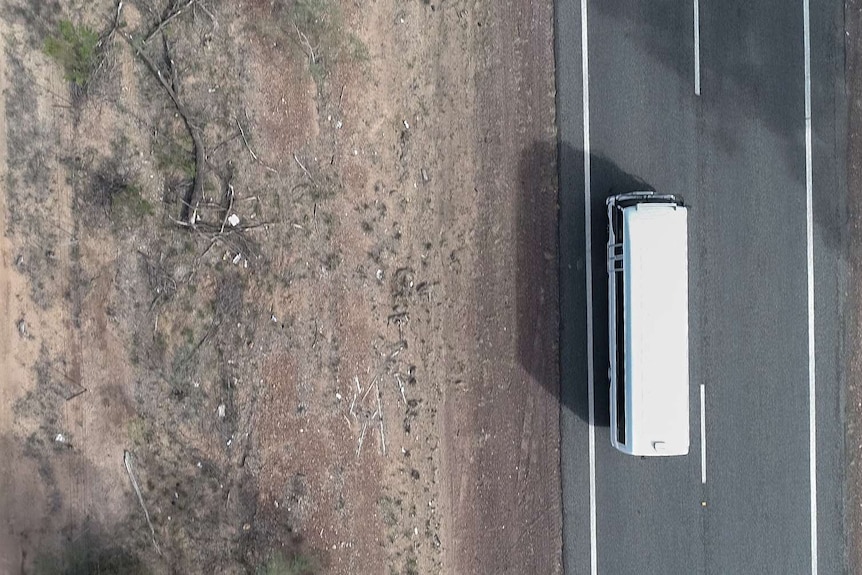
280, 289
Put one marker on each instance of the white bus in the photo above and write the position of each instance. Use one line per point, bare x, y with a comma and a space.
648, 327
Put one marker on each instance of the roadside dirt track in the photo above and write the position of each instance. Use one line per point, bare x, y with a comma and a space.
502, 421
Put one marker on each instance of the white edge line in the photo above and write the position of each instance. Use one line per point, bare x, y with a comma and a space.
585, 75
702, 434
697, 47
812, 404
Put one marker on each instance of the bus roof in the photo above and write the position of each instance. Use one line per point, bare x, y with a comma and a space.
656, 315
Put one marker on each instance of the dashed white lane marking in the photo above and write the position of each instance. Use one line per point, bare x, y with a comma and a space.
702, 434
697, 47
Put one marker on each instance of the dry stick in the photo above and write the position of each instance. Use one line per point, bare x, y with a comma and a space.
167, 19
115, 25
386, 361
303, 167
250, 151
127, 459
200, 156
77, 393
380, 415
401, 387
229, 207
245, 141
105, 40
361, 438
304, 41
208, 13
355, 395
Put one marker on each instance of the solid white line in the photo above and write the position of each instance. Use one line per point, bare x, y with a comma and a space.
697, 47
702, 435
585, 75
809, 205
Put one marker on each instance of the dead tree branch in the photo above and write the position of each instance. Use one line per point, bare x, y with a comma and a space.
127, 460
115, 25
230, 195
195, 191
303, 40
248, 146
303, 167
176, 11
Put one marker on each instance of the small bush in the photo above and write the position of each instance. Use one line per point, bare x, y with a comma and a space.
75, 49
128, 203
278, 565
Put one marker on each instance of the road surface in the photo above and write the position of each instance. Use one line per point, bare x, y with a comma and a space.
715, 109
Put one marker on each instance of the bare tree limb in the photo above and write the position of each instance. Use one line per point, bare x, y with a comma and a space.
229, 207
167, 19
200, 5
248, 147
303, 40
303, 167
200, 156
127, 460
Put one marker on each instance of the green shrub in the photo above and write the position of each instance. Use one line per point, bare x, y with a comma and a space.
75, 49
127, 203
278, 565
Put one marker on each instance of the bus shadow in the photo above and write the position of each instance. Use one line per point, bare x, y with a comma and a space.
537, 289
606, 179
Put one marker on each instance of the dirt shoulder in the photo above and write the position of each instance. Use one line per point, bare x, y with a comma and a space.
503, 412
280, 288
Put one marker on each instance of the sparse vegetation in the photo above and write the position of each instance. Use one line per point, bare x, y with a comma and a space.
75, 49
322, 36
278, 565
182, 328
128, 203
88, 556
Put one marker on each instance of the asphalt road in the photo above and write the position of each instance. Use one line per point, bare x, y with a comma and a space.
737, 153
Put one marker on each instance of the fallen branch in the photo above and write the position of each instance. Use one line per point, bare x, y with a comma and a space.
303, 40
127, 460
105, 40
248, 147
229, 207
303, 167
398, 349
361, 439
77, 393
401, 388
208, 13
166, 20
114, 25
380, 416
200, 156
